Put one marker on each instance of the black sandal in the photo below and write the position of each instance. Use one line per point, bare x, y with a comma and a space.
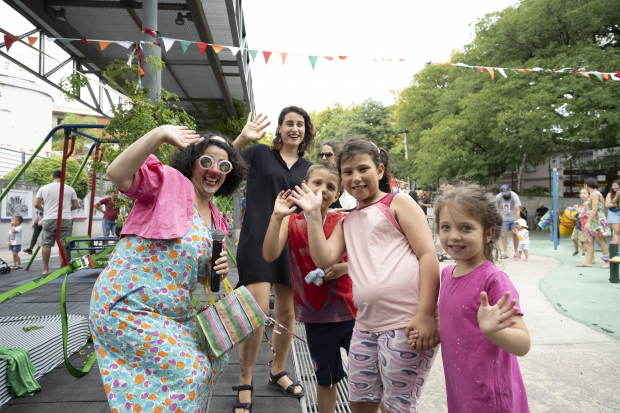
237, 404
290, 390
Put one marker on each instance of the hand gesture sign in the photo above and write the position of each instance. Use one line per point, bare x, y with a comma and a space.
253, 130
284, 205
306, 199
492, 319
179, 136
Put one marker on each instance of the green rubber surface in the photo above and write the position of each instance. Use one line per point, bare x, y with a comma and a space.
581, 293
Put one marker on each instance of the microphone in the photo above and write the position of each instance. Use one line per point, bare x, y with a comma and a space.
218, 238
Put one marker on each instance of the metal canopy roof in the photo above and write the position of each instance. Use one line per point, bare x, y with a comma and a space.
194, 78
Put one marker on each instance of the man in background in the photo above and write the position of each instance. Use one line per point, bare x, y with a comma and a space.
540, 212
48, 195
509, 203
110, 214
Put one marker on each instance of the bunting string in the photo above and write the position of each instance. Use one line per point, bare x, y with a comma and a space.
168, 43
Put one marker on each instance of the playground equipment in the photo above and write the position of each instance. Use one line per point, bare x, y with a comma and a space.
568, 221
614, 261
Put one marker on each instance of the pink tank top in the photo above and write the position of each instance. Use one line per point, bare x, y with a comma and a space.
383, 267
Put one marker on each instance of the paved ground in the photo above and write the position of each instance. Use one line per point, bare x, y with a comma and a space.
570, 368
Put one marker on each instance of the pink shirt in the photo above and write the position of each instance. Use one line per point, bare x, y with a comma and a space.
164, 206
480, 376
383, 267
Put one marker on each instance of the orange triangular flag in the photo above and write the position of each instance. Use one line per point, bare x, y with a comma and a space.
140, 71
202, 47
586, 75
217, 48
267, 55
32, 40
490, 70
401, 60
342, 57
103, 45
283, 57
606, 76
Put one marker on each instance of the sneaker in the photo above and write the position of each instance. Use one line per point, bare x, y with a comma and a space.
575, 254
516, 257
583, 255
527, 258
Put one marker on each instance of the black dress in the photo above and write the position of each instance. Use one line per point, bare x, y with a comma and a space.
268, 176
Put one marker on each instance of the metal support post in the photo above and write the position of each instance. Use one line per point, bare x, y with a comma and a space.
614, 267
93, 188
23, 163
65, 155
150, 80
556, 212
406, 149
42, 55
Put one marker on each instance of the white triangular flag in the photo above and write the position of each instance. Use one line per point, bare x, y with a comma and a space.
502, 72
234, 50
50, 39
126, 45
130, 59
460, 64
168, 43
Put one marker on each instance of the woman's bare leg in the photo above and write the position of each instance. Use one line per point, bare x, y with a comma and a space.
601, 241
616, 230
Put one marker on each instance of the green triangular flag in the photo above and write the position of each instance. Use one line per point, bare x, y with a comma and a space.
514, 71
598, 76
66, 42
184, 45
313, 60
374, 60
253, 53
429, 62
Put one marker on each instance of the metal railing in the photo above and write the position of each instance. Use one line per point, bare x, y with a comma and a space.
11, 160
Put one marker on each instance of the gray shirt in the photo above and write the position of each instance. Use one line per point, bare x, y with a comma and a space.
507, 206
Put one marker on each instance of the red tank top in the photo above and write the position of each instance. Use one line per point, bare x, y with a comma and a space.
329, 302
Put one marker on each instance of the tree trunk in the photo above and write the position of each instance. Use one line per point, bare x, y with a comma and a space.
520, 172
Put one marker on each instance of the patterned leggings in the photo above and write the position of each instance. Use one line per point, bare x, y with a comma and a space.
382, 366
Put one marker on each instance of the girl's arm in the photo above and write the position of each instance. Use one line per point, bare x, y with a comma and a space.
609, 203
277, 232
415, 226
336, 271
501, 324
324, 253
122, 170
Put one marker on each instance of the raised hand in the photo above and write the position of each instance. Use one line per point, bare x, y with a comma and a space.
492, 319
179, 136
306, 199
253, 130
284, 205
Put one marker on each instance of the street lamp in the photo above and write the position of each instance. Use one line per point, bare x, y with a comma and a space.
406, 150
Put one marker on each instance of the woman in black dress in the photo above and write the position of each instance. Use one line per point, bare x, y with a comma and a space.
272, 169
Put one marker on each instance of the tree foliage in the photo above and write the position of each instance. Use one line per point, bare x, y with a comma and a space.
464, 124
81, 142
41, 169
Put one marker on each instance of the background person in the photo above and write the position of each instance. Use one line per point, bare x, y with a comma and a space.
37, 226
578, 235
596, 226
168, 234
110, 214
524, 239
15, 240
538, 214
425, 201
330, 150
508, 203
48, 195
612, 201
274, 168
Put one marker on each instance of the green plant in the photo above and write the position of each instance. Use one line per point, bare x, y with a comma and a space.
536, 190
81, 142
40, 172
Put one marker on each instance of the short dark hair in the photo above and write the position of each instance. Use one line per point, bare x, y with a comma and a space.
310, 131
379, 156
19, 218
328, 166
592, 183
56, 174
184, 160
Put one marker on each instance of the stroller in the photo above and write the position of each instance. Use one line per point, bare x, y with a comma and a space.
4, 267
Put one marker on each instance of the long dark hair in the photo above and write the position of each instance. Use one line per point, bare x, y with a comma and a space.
378, 155
611, 188
184, 161
335, 145
310, 131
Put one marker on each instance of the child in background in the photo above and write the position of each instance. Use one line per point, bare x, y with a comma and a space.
583, 219
395, 274
326, 307
524, 239
15, 240
578, 235
482, 330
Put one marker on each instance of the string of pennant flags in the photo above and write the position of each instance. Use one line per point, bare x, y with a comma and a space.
136, 52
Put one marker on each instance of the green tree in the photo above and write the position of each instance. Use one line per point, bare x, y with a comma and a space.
464, 124
41, 169
81, 142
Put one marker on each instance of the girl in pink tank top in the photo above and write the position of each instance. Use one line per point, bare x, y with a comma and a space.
395, 273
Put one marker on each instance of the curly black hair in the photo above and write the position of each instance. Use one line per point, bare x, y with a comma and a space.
184, 161
310, 131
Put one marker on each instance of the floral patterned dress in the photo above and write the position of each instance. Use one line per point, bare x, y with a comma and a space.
598, 226
144, 329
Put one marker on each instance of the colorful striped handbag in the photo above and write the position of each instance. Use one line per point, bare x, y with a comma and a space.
225, 324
